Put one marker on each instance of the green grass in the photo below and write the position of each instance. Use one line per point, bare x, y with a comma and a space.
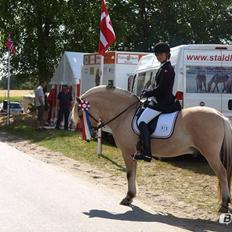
17, 99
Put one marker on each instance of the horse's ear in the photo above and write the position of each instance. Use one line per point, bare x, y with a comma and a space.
78, 100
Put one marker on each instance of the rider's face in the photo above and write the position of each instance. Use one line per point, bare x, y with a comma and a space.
161, 57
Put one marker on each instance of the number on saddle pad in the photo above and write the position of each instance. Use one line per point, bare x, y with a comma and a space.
225, 218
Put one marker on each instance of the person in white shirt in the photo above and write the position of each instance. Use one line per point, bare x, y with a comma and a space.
40, 104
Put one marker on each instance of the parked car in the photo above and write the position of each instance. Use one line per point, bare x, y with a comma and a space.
15, 107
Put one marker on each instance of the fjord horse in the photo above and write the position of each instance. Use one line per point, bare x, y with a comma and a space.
198, 128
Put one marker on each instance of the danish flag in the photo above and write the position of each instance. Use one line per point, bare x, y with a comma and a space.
107, 35
9, 44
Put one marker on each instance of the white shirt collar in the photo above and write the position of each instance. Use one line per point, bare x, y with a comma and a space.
162, 64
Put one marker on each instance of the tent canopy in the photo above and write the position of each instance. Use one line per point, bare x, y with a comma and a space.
68, 71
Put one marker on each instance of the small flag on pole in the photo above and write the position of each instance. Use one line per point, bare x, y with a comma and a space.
107, 35
9, 45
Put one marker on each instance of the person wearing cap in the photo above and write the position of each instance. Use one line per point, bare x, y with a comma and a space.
64, 99
162, 99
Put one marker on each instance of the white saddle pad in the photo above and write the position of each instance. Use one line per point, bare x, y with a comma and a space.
164, 128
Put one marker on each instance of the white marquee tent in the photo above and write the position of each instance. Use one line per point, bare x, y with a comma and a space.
68, 71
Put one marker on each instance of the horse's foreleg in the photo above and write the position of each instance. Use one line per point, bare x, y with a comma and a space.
131, 178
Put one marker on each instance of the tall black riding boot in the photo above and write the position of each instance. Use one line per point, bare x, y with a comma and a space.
145, 154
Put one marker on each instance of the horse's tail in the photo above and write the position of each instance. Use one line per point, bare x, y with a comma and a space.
226, 150
75, 117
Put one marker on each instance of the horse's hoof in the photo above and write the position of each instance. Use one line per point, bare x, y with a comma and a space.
224, 209
126, 202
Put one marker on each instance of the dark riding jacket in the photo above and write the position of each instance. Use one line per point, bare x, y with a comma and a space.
166, 102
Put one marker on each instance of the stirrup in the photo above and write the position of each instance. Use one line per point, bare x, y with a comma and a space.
147, 158
140, 156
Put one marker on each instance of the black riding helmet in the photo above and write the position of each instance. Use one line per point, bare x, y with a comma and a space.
162, 47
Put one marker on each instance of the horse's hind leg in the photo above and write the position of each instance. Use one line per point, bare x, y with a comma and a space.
220, 171
131, 178
204, 84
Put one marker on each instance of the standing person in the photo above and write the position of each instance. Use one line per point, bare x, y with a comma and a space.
97, 77
40, 104
51, 105
162, 100
64, 99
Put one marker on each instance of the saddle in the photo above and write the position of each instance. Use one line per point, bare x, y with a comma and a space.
161, 127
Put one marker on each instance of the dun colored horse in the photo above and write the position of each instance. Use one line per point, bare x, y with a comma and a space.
193, 131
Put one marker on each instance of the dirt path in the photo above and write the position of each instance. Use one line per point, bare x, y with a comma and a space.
200, 219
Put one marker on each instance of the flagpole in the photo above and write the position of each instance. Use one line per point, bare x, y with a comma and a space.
8, 91
107, 37
99, 140
99, 131
101, 69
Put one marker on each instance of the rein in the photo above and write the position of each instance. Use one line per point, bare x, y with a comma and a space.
102, 124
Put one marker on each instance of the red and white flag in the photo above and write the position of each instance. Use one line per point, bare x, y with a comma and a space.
107, 35
9, 44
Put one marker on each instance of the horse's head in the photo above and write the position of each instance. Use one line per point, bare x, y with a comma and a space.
105, 104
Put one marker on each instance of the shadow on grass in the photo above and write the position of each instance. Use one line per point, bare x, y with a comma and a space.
120, 167
196, 164
136, 214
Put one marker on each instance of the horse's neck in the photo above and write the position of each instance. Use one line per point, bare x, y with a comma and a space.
115, 103
110, 106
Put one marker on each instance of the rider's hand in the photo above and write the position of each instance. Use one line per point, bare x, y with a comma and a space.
146, 93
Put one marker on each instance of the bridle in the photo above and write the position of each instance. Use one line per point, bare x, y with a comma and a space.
101, 124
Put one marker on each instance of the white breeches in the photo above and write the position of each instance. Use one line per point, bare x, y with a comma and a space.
147, 115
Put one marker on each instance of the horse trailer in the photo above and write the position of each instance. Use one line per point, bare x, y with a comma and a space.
203, 75
118, 69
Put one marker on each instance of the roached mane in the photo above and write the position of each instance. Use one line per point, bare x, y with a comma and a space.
100, 89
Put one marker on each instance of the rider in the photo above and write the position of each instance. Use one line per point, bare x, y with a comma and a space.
162, 99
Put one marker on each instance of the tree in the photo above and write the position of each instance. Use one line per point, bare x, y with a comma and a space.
34, 26
43, 30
